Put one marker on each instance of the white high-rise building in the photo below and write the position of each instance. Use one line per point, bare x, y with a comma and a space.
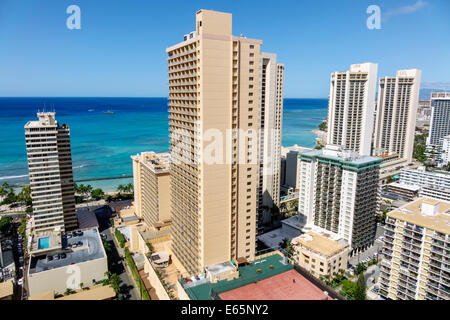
445, 156
51, 177
440, 118
339, 192
398, 99
271, 117
351, 107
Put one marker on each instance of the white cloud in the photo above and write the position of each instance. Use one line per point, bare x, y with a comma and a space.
404, 10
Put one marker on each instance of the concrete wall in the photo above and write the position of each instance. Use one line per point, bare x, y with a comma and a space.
59, 279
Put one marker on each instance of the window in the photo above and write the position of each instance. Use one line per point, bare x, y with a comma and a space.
252, 46
251, 70
252, 54
250, 79
252, 62
250, 101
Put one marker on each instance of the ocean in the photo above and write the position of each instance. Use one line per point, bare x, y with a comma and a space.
103, 143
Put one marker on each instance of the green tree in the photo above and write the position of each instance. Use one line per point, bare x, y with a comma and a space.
360, 293
6, 224
129, 188
25, 195
97, 194
349, 288
120, 188
323, 126
4, 189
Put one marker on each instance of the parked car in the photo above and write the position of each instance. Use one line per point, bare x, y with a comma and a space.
103, 236
63, 255
80, 243
56, 257
80, 233
20, 282
49, 258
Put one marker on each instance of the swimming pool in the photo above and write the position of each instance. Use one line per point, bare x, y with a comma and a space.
43, 243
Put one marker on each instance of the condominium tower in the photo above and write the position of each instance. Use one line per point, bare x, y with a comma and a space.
270, 118
398, 99
440, 118
50, 171
151, 186
214, 94
339, 192
416, 246
351, 107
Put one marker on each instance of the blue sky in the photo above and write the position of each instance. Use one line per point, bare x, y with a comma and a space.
120, 48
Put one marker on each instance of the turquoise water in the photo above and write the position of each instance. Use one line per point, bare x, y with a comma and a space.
103, 143
43, 243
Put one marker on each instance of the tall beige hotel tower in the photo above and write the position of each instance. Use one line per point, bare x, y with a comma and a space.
51, 177
214, 96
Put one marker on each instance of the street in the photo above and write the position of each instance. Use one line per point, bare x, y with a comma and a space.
377, 246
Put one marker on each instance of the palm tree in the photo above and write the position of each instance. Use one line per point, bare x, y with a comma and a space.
120, 188
88, 189
3, 189
129, 187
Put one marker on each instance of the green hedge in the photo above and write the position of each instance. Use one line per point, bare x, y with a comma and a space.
120, 238
134, 271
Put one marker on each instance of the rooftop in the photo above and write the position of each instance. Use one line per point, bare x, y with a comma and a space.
157, 162
413, 213
405, 186
289, 285
77, 249
6, 289
247, 274
338, 153
319, 243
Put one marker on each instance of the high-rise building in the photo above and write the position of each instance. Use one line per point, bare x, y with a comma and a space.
398, 98
151, 180
270, 117
351, 107
339, 192
214, 95
415, 262
50, 171
445, 156
440, 118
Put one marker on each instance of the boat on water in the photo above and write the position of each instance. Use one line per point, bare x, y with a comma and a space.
108, 112
90, 110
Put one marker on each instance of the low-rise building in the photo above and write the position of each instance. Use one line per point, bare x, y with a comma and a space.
59, 261
434, 184
406, 190
320, 255
416, 246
